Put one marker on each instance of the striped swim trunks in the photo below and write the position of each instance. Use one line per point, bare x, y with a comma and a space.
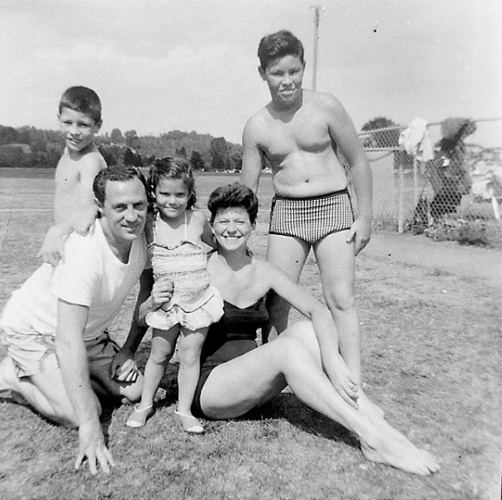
311, 219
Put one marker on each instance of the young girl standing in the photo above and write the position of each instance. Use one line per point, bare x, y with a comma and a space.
175, 235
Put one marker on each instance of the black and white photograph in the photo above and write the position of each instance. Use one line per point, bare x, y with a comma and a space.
250, 249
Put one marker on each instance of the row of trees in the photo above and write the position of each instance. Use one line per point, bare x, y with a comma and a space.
29, 147
32, 147
386, 138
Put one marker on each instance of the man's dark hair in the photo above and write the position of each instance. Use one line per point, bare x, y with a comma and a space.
114, 173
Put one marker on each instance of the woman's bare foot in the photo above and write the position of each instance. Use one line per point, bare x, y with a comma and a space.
386, 445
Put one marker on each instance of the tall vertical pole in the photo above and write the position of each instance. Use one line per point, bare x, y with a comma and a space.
317, 9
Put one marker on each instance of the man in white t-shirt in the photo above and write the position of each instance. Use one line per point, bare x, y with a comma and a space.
58, 356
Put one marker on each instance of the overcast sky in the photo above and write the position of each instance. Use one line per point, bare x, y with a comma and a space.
160, 65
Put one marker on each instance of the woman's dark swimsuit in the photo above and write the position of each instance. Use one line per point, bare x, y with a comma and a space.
232, 336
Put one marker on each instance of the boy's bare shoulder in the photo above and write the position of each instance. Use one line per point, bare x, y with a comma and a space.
64, 159
93, 159
91, 163
322, 99
256, 121
255, 130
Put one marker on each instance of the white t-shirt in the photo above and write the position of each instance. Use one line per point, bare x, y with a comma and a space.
90, 275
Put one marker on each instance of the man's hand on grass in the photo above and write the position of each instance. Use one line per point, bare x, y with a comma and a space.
92, 447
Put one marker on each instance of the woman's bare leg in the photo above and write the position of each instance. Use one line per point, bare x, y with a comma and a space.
239, 385
390, 445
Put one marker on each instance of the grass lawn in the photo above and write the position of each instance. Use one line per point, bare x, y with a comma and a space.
431, 345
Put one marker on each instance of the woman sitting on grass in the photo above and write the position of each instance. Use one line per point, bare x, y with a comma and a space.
238, 375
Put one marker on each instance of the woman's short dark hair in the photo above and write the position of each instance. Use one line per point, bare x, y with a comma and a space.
231, 196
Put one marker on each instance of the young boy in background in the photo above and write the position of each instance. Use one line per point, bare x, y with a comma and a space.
74, 207
300, 132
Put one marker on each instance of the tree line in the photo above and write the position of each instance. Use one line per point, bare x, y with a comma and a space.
31, 147
35, 148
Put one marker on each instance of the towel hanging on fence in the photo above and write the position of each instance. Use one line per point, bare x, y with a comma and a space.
456, 129
415, 140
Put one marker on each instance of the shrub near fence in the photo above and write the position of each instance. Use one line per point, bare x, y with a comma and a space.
457, 195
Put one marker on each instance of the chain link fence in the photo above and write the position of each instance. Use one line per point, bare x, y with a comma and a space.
438, 177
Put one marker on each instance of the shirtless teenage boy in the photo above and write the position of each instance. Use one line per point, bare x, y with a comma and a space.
74, 207
300, 132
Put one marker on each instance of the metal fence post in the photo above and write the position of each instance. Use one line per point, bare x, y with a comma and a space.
415, 181
400, 213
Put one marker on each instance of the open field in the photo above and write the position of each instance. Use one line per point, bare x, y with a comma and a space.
431, 335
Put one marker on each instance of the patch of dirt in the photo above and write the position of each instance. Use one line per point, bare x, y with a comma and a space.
444, 256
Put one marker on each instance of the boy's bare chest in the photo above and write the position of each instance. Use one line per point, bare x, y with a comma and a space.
66, 178
279, 139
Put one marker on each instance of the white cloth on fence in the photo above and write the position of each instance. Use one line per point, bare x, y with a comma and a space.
415, 140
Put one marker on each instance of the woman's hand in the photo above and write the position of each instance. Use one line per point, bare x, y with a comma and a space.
341, 379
